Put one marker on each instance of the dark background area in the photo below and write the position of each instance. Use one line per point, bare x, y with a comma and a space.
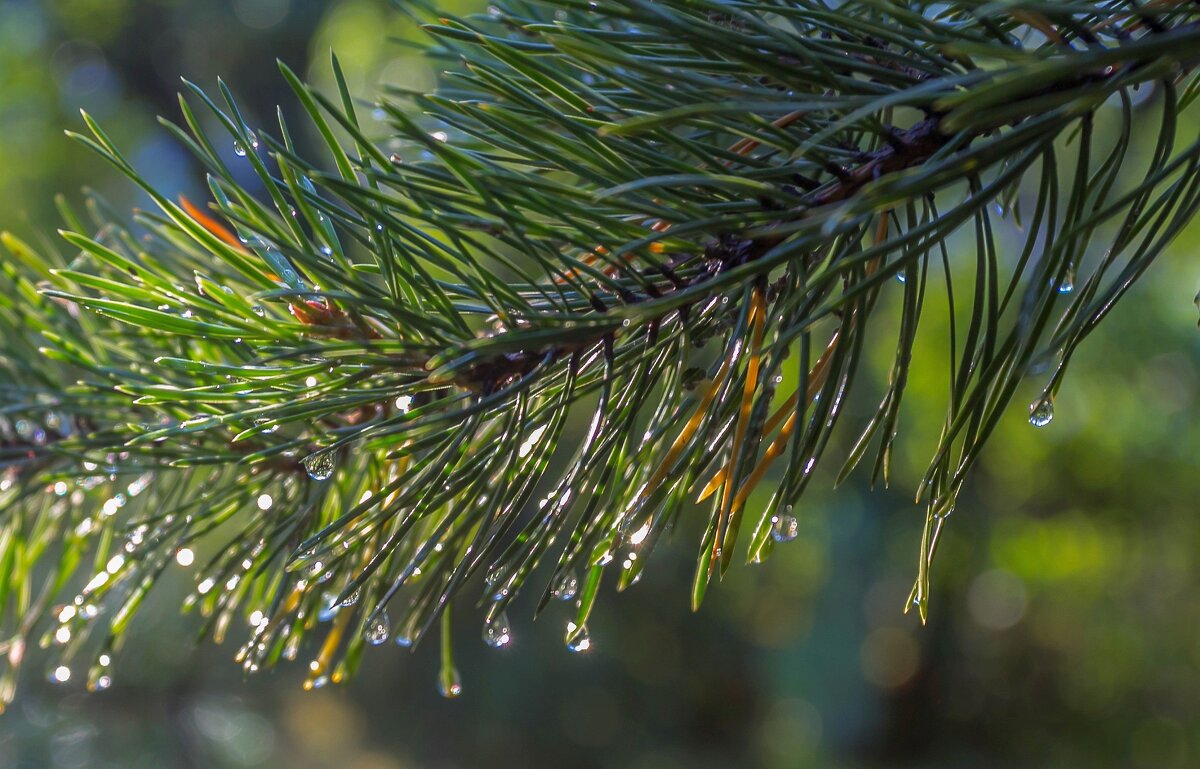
1065, 624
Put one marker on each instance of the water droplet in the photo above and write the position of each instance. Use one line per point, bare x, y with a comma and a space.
578, 640
567, 587
378, 630
1041, 412
784, 528
319, 465
239, 149
1067, 284
496, 631
258, 310
100, 683
351, 599
450, 683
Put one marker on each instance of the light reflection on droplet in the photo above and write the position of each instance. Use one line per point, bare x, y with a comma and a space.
378, 631
784, 528
320, 466
496, 631
567, 587
1041, 413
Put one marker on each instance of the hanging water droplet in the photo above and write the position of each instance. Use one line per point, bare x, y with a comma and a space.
579, 640
1041, 412
496, 631
403, 638
378, 630
351, 599
900, 277
319, 465
567, 587
258, 310
239, 149
450, 683
784, 528
1067, 285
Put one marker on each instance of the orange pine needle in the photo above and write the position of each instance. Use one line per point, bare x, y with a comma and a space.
758, 311
777, 447
746, 146
685, 435
212, 225
1038, 22
816, 381
332, 641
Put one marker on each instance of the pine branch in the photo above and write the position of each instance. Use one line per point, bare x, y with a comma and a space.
347, 399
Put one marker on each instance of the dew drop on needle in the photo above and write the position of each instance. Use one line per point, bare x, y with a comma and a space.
497, 633
784, 528
320, 466
378, 630
1041, 413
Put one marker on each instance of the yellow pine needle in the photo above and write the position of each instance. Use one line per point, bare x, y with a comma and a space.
816, 381
686, 434
758, 312
817, 377
332, 642
773, 421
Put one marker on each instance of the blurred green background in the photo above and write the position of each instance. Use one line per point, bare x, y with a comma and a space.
1065, 626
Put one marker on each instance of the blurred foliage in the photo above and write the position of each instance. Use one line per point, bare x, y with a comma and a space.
1064, 632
